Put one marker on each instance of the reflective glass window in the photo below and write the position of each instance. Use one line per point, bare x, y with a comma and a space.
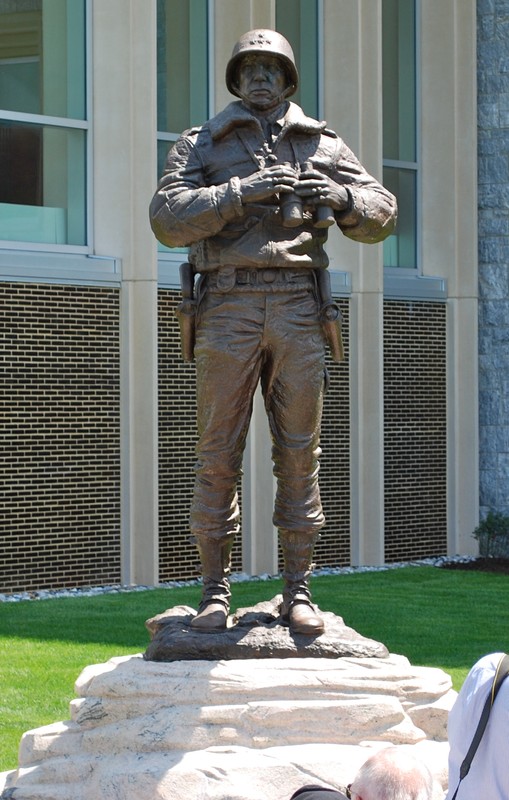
182, 69
400, 126
43, 121
182, 63
297, 20
400, 250
182, 72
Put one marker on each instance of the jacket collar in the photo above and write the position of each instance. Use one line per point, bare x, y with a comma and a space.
236, 115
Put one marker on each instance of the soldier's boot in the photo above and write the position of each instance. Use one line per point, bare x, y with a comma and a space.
213, 610
297, 608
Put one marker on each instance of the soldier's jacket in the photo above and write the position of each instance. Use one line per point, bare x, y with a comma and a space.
198, 200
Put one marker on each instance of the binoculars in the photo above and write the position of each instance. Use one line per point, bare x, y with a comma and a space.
292, 210
292, 213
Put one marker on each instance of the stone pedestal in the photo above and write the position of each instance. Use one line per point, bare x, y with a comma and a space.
157, 726
231, 730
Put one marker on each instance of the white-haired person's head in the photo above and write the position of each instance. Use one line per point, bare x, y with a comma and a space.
392, 774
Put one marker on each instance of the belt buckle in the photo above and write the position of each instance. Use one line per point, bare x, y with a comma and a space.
226, 278
269, 275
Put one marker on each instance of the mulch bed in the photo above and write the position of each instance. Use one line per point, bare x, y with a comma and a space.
500, 565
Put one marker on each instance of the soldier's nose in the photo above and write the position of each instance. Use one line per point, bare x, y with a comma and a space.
260, 74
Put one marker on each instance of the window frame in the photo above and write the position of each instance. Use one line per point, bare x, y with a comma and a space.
412, 166
308, 78
69, 123
169, 259
172, 136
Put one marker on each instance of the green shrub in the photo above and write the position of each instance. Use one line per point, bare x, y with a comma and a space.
492, 533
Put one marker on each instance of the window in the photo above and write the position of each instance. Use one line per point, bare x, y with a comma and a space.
182, 70
182, 64
297, 20
400, 127
182, 74
43, 124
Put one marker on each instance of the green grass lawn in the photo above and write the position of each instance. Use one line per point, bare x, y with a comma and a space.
434, 617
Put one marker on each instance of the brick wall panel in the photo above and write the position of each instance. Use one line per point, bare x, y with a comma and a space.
60, 436
415, 430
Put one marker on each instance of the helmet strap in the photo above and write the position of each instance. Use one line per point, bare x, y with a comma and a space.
277, 101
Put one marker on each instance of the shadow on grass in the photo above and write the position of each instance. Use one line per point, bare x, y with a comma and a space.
434, 617
116, 619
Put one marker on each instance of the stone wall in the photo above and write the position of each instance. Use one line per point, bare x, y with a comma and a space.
493, 149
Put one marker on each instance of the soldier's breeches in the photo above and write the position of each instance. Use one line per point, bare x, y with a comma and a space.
243, 339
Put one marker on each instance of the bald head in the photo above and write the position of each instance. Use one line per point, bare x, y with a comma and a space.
392, 774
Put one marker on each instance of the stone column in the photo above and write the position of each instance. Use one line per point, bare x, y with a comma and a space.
493, 198
124, 135
449, 237
353, 108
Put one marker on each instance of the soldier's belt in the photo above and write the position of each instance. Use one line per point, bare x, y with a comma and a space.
260, 280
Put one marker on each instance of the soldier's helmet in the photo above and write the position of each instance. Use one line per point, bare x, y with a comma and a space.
263, 40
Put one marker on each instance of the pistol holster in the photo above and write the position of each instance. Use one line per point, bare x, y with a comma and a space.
186, 312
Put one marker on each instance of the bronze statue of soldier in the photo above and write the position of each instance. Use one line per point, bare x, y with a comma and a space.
252, 193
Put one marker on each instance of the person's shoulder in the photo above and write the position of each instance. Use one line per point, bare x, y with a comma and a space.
234, 115
481, 674
203, 137
329, 132
297, 120
317, 793
194, 133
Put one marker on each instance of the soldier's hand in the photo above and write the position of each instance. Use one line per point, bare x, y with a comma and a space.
318, 189
268, 182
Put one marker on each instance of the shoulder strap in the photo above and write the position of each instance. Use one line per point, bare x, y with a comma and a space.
501, 672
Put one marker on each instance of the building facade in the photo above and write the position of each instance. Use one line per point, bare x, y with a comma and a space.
97, 406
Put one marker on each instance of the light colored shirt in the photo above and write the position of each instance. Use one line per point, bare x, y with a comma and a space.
488, 778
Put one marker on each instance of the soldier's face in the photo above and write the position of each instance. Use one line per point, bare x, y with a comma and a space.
261, 80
